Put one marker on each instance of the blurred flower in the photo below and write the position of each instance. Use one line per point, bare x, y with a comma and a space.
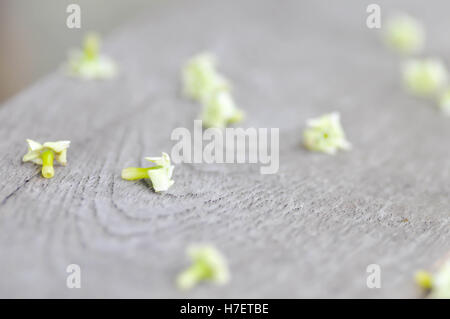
325, 134
438, 284
89, 64
200, 77
405, 34
441, 282
160, 175
424, 77
45, 154
207, 264
424, 279
219, 110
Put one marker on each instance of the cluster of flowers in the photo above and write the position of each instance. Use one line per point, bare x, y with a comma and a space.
426, 77
207, 263
423, 77
204, 84
88, 63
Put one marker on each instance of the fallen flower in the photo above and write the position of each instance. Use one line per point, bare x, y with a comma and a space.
160, 174
424, 77
207, 264
44, 154
437, 284
219, 110
405, 34
89, 63
325, 134
200, 77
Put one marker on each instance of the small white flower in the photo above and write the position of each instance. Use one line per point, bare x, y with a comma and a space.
405, 34
161, 178
160, 174
44, 154
207, 264
200, 77
219, 110
424, 77
325, 134
89, 64
203, 83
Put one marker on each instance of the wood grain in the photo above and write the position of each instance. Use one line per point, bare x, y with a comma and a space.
308, 231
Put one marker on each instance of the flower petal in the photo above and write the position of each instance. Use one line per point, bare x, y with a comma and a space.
33, 145
61, 157
58, 146
160, 179
31, 156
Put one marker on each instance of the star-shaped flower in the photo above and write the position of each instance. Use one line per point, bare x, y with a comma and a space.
208, 264
200, 77
325, 134
424, 77
405, 34
44, 154
90, 64
160, 174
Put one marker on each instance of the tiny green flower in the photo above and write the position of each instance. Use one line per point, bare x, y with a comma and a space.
438, 284
200, 77
424, 77
160, 174
207, 264
325, 134
219, 110
444, 102
405, 34
90, 64
44, 154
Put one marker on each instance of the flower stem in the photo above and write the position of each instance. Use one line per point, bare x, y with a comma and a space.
191, 276
47, 164
134, 173
91, 46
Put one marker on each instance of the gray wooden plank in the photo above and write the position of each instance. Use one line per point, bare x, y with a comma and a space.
308, 231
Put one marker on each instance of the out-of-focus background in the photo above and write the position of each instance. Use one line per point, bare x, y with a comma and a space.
34, 37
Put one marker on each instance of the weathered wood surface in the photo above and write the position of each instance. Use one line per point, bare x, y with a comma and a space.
308, 231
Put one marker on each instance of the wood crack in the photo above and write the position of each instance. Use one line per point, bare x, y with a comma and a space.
3, 202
